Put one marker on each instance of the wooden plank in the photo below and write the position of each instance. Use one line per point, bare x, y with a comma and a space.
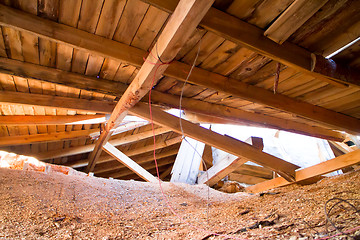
109, 166
329, 166
47, 137
108, 48
134, 152
141, 172
165, 173
219, 141
292, 19
115, 88
88, 148
187, 162
55, 101
252, 37
178, 29
51, 120
227, 165
220, 170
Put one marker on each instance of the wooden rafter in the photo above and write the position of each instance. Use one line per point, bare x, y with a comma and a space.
109, 166
45, 137
130, 153
225, 143
332, 165
222, 23
292, 19
252, 37
51, 120
32, 71
182, 23
88, 148
121, 157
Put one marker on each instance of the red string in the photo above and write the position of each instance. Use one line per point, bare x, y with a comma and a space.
156, 164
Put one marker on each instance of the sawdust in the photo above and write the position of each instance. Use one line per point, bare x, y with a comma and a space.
36, 205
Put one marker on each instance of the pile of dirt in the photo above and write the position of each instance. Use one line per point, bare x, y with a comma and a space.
39, 205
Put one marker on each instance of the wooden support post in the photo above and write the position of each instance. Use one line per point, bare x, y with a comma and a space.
329, 166
136, 168
183, 21
228, 144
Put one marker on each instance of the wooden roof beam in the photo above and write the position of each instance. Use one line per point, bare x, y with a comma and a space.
182, 23
225, 143
148, 166
46, 137
292, 19
88, 148
109, 166
228, 114
130, 153
141, 172
329, 166
236, 30
52, 120
252, 37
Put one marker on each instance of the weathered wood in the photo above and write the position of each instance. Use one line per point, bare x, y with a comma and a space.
252, 37
227, 165
141, 172
329, 166
183, 21
134, 152
88, 148
84, 82
235, 29
165, 173
110, 166
242, 178
228, 144
292, 19
56, 102
45, 137
52, 120
204, 112
187, 162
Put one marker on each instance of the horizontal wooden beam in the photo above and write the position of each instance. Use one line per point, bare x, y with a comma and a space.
56, 102
206, 112
227, 114
329, 166
234, 29
110, 166
225, 143
252, 37
51, 120
45, 137
256, 171
88, 148
141, 172
130, 153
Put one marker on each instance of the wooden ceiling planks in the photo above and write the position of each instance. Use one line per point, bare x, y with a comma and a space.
226, 58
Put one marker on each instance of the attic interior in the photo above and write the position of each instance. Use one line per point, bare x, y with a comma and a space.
95, 92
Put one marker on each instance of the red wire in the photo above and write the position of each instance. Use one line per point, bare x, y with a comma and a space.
156, 164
